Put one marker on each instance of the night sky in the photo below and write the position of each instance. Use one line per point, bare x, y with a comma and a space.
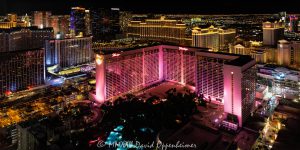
171, 6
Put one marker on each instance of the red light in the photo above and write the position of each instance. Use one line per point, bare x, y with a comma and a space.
92, 142
8, 93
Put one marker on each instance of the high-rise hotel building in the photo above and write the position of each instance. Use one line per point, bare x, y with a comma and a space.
68, 52
80, 21
21, 38
21, 70
214, 38
272, 32
41, 19
60, 24
226, 78
158, 29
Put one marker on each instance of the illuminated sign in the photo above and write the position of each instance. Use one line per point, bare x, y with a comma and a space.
183, 48
115, 55
99, 59
115, 8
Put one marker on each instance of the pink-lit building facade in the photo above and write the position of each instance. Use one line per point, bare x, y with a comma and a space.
208, 72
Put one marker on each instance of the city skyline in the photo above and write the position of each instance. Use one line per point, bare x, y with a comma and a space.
190, 6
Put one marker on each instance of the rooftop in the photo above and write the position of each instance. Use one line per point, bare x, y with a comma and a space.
241, 61
149, 44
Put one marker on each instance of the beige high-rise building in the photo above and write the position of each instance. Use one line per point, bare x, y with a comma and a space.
262, 54
54, 23
226, 36
295, 51
272, 32
41, 19
60, 24
158, 29
287, 53
284, 53
216, 39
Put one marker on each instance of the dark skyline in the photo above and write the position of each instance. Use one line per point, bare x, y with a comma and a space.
166, 6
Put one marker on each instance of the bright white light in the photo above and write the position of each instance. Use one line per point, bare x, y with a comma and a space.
115, 8
58, 36
99, 59
183, 48
115, 54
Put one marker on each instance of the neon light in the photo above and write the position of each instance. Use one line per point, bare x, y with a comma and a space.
115, 55
99, 59
183, 48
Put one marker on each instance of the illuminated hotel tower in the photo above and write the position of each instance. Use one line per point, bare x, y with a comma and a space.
21, 70
158, 29
80, 23
213, 38
69, 52
54, 23
77, 23
272, 32
60, 24
239, 87
41, 19
284, 53
226, 78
